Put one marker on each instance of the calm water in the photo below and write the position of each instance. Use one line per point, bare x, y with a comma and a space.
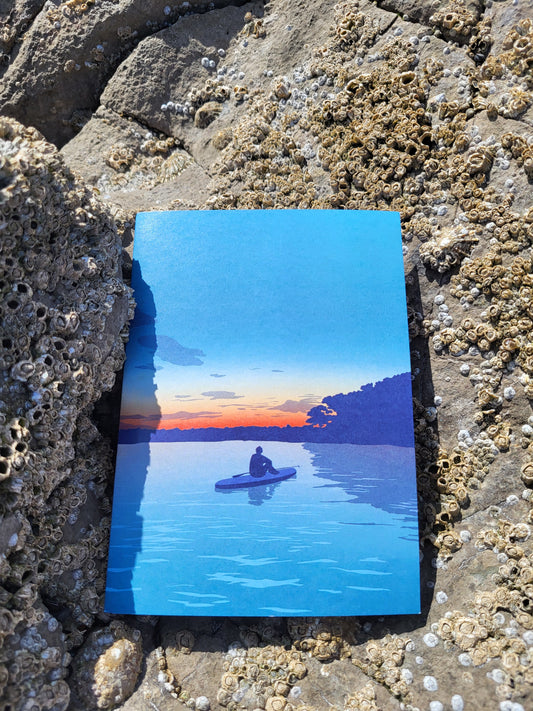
339, 538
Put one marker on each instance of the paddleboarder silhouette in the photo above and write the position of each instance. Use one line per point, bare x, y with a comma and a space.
261, 465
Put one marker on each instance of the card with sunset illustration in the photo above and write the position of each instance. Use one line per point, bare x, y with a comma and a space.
266, 463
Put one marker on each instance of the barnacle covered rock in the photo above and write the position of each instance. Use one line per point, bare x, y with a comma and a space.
63, 306
266, 676
362, 700
107, 666
382, 661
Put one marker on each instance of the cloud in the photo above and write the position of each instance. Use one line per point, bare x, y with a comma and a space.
148, 367
296, 405
276, 370
217, 375
170, 350
221, 395
181, 415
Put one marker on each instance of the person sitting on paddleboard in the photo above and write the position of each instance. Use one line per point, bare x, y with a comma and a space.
261, 465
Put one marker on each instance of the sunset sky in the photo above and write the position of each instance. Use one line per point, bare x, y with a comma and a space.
252, 317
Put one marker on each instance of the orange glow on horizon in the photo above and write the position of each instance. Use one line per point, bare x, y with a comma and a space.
234, 419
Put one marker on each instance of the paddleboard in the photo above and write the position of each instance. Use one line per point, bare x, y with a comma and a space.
241, 482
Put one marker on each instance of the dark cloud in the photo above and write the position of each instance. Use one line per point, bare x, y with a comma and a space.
170, 350
217, 375
221, 395
278, 371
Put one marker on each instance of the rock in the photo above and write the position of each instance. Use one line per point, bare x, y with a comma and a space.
157, 84
107, 666
433, 12
15, 18
63, 307
134, 167
79, 46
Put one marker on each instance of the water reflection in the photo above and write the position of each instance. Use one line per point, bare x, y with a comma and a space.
381, 476
257, 495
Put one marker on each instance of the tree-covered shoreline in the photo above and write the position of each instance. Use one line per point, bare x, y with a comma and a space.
377, 413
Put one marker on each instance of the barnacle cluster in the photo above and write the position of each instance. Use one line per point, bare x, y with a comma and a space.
63, 306
264, 668
362, 700
212, 90
261, 677
455, 21
106, 667
321, 639
154, 160
447, 249
120, 158
515, 576
354, 28
445, 486
253, 26
517, 55
69, 8
78, 7
490, 630
382, 661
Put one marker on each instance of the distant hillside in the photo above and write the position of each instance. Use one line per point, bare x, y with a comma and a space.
379, 413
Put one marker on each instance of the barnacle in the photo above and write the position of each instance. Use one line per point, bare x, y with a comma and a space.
120, 158
174, 165
446, 250
207, 113
185, 641
479, 161
527, 474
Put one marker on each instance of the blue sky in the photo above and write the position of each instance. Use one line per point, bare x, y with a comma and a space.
265, 312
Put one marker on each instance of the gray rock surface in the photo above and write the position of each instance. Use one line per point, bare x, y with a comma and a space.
420, 107
70, 50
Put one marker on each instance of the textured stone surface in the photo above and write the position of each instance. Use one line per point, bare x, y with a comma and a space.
420, 107
78, 45
63, 308
106, 668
